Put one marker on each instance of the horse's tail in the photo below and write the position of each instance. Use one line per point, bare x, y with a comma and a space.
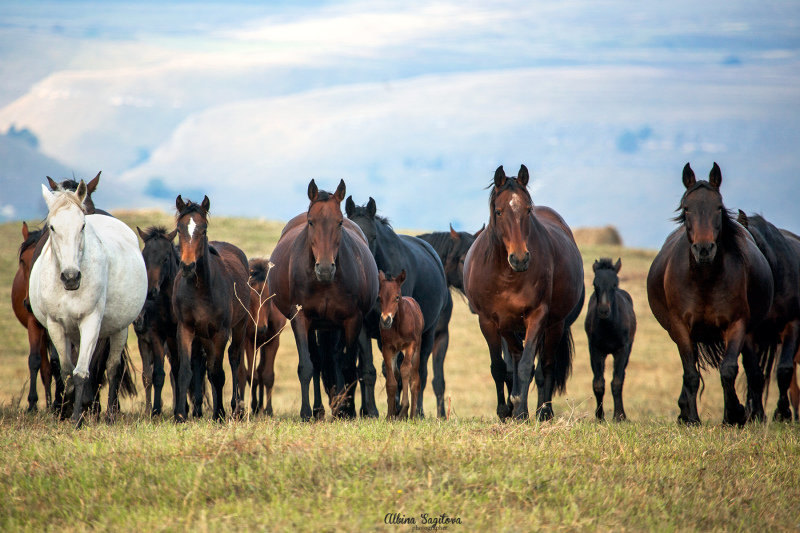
563, 361
127, 385
709, 355
766, 359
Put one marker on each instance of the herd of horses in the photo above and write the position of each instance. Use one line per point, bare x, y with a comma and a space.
721, 286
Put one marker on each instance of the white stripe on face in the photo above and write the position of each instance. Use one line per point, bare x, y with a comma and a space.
190, 228
516, 203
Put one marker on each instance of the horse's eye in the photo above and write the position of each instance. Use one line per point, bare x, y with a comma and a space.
340, 223
83, 227
310, 222
396, 298
52, 228
497, 212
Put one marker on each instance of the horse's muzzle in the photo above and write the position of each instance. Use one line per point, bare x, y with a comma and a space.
519, 262
325, 273
189, 270
71, 278
604, 311
152, 294
386, 321
704, 252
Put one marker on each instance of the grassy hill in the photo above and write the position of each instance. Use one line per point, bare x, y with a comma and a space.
279, 473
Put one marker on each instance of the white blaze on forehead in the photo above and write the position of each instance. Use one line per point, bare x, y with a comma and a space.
516, 203
190, 228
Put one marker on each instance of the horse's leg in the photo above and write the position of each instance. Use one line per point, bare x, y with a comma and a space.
405, 373
348, 358
367, 376
510, 372
268, 353
524, 368
755, 381
598, 362
316, 361
89, 331
215, 355
55, 369
425, 348
794, 392
174, 363
158, 375
621, 358
146, 352
34, 363
498, 366
790, 338
235, 355
413, 380
45, 371
728, 368
441, 341
185, 338
64, 350
691, 375
199, 360
116, 343
300, 327
389, 364
248, 374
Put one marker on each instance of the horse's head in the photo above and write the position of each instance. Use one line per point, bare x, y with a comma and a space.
454, 260
702, 213
325, 229
192, 225
159, 257
606, 282
511, 216
259, 270
66, 220
26, 249
389, 296
364, 217
72, 185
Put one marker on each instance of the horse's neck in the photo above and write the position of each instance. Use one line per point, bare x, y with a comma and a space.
385, 241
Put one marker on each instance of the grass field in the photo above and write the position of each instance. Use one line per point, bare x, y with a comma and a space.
279, 474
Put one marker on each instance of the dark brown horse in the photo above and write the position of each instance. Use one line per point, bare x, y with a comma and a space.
710, 287
39, 342
263, 336
401, 325
610, 327
323, 264
210, 301
524, 278
794, 389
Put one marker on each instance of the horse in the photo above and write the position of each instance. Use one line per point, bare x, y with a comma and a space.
156, 325
524, 277
38, 341
263, 336
709, 287
610, 327
88, 284
425, 282
781, 326
401, 325
209, 301
324, 276
794, 390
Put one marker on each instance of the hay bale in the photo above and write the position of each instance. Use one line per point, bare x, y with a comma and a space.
607, 235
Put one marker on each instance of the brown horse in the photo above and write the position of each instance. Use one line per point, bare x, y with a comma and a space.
401, 324
524, 277
263, 336
211, 277
324, 266
710, 287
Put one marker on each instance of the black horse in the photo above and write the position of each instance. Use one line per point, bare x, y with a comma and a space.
425, 282
610, 326
782, 323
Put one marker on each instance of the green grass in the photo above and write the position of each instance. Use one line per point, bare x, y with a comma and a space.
279, 474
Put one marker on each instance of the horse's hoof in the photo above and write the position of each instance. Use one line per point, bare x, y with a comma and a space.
734, 416
620, 417
544, 413
503, 411
305, 414
782, 414
78, 421
688, 421
32, 408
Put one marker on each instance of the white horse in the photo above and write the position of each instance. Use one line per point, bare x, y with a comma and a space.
88, 284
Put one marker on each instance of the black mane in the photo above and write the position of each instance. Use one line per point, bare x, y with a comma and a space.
33, 238
441, 241
604, 263
192, 207
258, 269
154, 231
361, 211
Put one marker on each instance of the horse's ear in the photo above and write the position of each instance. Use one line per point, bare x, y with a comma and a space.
180, 205
371, 207
25, 230
618, 265
381, 275
53, 185
454, 234
594, 267
499, 177
82, 191
523, 175
742, 218
341, 190
715, 176
401, 277
48, 196
688, 176
140, 232
92, 185
313, 191
206, 203
480, 231
349, 206
171, 235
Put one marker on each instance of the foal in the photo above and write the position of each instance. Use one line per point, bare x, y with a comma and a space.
610, 327
401, 325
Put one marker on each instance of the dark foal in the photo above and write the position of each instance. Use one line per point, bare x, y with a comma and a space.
263, 336
156, 325
401, 325
210, 301
610, 327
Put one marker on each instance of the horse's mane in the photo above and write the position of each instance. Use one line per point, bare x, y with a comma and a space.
154, 231
441, 241
192, 207
68, 185
605, 263
33, 238
259, 268
730, 229
65, 198
361, 211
